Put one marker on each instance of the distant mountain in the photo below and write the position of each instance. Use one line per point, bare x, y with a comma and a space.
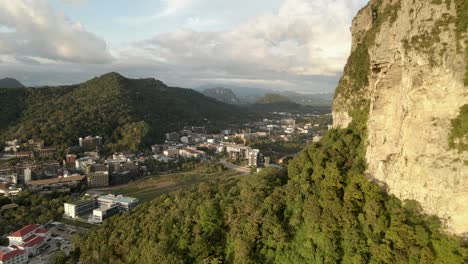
325, 99
249, 95
279, 103
128, 113
272, 99
10, 83
224, 95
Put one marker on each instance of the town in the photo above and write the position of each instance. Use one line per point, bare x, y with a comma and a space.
85, 176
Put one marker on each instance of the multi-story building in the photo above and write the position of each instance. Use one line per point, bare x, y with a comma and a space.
104, 212
13, 255
56, 183
29, 239
90, 143
98, 179
79, 208
254, 156
191, 153
82, 163
171, 152
12, 146
124, 203
173, 136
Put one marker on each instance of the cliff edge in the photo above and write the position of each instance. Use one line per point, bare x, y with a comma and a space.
405, 86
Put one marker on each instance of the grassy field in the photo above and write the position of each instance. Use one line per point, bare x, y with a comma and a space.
154, 186
76, 223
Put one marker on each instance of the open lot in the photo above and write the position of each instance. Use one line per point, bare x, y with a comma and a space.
154, 186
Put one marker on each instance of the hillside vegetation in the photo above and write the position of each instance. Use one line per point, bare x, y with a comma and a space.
224, 95
127, 113
324, 210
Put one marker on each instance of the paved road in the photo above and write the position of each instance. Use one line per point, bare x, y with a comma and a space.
237, 168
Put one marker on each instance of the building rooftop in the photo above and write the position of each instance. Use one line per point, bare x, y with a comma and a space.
57, 180
24, 231
7, 253
81, 201
33, 241
118, 199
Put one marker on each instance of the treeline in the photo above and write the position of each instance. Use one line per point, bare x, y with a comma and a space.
33, 208
323, 210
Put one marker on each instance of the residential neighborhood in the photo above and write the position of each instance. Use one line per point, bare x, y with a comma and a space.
81, 171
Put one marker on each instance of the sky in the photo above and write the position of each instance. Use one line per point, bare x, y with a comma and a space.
295, 45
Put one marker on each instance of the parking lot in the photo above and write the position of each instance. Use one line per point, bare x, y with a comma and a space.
60, 239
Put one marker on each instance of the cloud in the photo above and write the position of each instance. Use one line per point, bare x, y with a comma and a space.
299, 45
171, 7
36, 30
302, 39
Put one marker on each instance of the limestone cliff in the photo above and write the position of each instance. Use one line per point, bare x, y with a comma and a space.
404, 83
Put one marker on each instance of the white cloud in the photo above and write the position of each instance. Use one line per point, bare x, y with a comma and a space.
302, 45
36, 30
302, 38
171, 7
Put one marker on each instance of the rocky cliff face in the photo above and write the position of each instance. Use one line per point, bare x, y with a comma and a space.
403, 84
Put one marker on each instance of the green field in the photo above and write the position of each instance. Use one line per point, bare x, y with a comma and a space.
76, 223
154, 186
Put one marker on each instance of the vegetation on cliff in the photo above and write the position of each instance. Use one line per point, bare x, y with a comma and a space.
458, 138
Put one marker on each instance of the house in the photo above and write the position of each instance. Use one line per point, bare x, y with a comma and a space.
13, 255
79, 208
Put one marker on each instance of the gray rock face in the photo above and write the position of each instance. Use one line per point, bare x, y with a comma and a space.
416, 87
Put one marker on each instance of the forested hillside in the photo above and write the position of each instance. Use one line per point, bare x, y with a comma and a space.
323, 211
128, 113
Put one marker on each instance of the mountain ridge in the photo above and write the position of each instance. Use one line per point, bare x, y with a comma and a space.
118, 108
10, 83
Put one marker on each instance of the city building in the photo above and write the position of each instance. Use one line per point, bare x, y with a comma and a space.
98, 179
174, 136
104, 212
124, 203
21, 236
13, 255
12, 146
82, 163
191, 153
29, 239
90, 143
71, 158
79, 208
57, 183
171, 152
254, 156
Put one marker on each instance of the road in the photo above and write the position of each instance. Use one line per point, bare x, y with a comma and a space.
237, 168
